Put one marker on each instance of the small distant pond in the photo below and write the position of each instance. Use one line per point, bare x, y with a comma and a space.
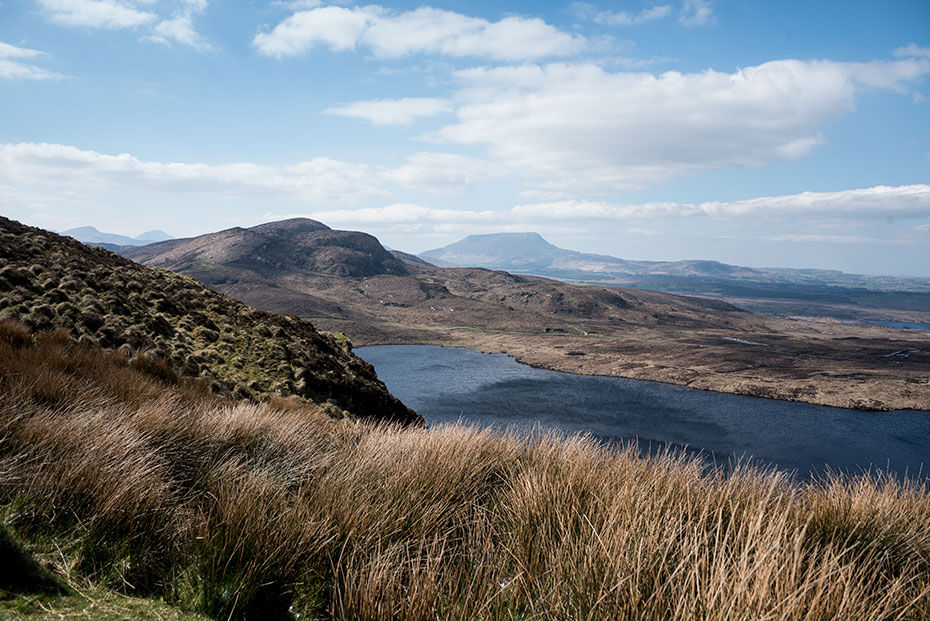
447, 384
905, 325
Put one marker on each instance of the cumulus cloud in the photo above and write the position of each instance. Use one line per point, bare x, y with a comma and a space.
19, 70
61, 166
578, 125
392, 111
96, 13
173, 26
621, 18
316, 179
391, 34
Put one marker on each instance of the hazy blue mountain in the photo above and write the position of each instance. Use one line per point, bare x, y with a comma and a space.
153, 236
529, 253
520, 252
90, 235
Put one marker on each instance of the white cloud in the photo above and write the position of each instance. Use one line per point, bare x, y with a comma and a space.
180, 27
391, 34
877, 202
96, 13
11, 51
58, 166
621, 18
18, 70
116, 14
581, 126
392, 111
912, 50
443, 172
866, 203
696, 13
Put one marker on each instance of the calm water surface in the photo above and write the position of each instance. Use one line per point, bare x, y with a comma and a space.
447, 384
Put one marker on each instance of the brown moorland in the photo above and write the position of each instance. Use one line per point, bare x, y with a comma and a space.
347, 282
121, 481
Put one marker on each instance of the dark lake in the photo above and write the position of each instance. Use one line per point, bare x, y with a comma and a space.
447, 384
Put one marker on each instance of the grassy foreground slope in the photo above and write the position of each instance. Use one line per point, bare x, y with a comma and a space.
152, 485
49, 281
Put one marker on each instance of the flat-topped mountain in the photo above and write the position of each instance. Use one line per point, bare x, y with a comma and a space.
295, 245
530, 252
48, 281
347, 282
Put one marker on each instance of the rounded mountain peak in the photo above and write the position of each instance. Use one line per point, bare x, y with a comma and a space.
292, 225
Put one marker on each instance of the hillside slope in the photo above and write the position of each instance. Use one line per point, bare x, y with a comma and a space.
49, 281
381, 298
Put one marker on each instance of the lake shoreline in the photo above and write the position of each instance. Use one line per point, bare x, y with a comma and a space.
496, 390
834, 392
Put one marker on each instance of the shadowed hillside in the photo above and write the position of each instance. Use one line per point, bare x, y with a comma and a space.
48, 281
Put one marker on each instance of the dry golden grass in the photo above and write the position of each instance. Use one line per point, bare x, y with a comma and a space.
152, 485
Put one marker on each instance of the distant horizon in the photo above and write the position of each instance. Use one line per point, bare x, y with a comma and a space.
758, 267
757, 134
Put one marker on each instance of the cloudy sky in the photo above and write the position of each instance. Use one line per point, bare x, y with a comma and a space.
757, 133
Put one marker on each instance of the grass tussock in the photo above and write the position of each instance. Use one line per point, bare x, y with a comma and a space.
154, 486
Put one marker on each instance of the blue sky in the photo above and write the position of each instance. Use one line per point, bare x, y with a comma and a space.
757, 133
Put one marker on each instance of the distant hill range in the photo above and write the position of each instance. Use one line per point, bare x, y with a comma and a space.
112, 241
529, 253
346, 281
